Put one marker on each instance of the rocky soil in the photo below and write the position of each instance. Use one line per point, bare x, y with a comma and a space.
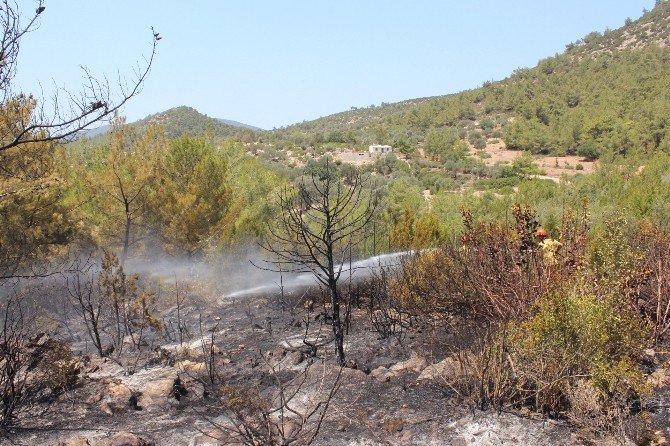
390, 395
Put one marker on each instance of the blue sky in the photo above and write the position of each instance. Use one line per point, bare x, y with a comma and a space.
273, 63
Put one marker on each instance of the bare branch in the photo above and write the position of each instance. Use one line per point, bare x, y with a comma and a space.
69, 113
320, 219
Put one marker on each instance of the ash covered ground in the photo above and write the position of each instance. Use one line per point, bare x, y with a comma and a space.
391, 392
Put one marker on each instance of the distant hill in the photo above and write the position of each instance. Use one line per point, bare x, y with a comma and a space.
240, 124
607, 93
180, 120
92, 133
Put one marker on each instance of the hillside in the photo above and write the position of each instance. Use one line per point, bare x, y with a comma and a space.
606, 94
180, 120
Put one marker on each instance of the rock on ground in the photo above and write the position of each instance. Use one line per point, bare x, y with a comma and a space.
118, 439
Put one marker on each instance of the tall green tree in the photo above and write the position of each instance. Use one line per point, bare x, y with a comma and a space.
191, 196
121, 182
33, 220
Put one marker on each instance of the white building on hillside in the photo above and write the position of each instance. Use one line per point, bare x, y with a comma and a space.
376, 149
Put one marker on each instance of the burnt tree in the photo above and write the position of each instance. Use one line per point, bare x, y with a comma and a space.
320, 219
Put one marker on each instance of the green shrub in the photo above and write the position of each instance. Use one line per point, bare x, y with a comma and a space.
566, 326
442, 184
589, 150
497, 183
487, 124
575, 337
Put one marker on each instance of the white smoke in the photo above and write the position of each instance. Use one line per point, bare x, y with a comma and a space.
358, 269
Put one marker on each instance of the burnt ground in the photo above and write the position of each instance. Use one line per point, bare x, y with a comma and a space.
253, 333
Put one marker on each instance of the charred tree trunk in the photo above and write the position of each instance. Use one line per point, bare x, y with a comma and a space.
337, 322
320, 221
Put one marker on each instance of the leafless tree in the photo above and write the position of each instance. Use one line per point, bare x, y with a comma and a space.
115, 308
319, 221
34, 367
83, 293
181, 293
13, 340
68, 113
386, 313
209, 351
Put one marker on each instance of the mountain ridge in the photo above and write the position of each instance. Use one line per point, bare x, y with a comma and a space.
183, 119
